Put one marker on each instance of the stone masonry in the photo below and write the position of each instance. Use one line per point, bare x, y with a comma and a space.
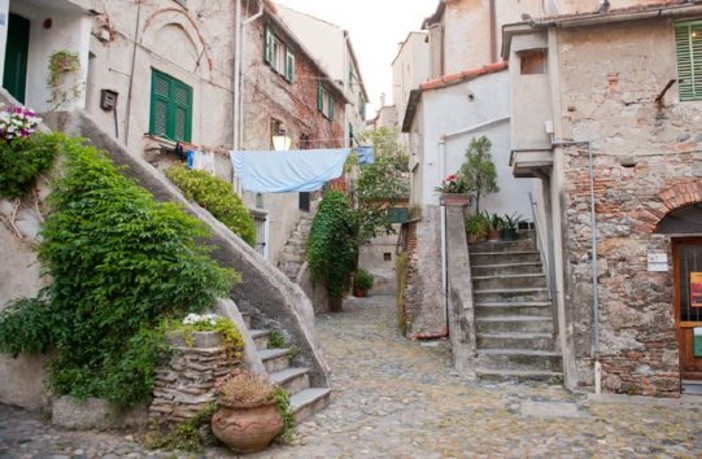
185, 386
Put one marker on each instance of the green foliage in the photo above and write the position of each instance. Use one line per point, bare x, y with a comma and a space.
363, 280
511, 222
380, 184
401, 268
276, 340
26, 327
215, 195
232, 341
282, 401
61, 63
119, 261
332, 248
186, 436
478, 172
477, 225
23, 159
496, 222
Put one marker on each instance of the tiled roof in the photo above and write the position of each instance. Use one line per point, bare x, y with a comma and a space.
652, 6
453, 78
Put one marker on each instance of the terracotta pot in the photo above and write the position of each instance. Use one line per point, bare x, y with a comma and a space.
454, 199
494, 235
359, 293
246, 428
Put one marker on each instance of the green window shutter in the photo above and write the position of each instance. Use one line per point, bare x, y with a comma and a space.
289, 65
182, 111
160, 100
688, 50
331, 107
268, 47
320, 98
171, 107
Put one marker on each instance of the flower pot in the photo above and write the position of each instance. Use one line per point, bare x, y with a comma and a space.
493, 235
246, 428
360, 293
508, 234
454, 199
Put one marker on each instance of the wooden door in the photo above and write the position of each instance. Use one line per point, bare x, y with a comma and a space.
16, 52
687, 259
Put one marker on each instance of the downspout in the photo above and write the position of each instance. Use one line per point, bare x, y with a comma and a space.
131, 76
443, 229
236, 77
240, 88
493, 32
593, 242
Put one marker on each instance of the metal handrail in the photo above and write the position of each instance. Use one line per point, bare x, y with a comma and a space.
542, 247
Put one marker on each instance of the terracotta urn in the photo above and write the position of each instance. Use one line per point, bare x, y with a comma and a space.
246, 428
455, 199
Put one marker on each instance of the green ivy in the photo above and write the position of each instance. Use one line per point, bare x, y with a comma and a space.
232, 341
23, 159
332, 249
215, 195
119, 262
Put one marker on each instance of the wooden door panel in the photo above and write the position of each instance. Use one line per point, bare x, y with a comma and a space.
687, 259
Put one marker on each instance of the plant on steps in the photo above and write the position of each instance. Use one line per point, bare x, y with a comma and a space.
362, 282
510, 225
217, 197
478, 172
477, 226
332, 248
119, 262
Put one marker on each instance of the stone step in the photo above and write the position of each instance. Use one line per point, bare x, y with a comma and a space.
518, 324
247, 319
308, 402
516, 295
521, 245
513, 340
510, 281
519, 360
260, 338
553, 377
290, 268
293, 380
534, 308
493, 258
275, 359
293, 253
507, 268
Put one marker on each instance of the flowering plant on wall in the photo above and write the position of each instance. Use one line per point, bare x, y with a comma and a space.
17, 122
453, 184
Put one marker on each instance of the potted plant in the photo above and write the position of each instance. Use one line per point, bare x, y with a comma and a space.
454, 191
478, 173
477, 226
496, 225
362, 282
510, 225
248, 418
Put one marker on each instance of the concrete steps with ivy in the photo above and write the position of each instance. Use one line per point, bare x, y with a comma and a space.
304, 400
514, 323
293, 255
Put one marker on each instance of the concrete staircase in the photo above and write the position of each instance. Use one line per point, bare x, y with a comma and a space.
515, 335
304, 400
293, 255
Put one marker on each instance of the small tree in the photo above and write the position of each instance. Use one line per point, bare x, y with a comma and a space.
478, 171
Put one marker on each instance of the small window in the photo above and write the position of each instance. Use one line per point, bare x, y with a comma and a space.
361, 106
688, 52
533, 63
279, 55
171, 107
387, 256
325, 102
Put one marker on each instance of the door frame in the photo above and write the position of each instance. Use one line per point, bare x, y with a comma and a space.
683, 329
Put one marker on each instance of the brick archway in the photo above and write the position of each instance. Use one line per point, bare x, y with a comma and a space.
672, 197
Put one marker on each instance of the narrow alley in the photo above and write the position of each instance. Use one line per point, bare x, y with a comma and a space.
397, 398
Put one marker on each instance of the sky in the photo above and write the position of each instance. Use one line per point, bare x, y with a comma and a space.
376, 27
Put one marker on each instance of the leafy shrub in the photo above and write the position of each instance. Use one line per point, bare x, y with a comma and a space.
363, 280
332, 249
119, 261
232, 340
215, 195
23, 159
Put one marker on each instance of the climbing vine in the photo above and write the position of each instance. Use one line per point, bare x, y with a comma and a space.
63, 63
119, 262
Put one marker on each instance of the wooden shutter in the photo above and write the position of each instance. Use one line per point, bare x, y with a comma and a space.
268, 47
330, 110
688, 50
160, 100
320, 98
182, 111
289, 65
171, 107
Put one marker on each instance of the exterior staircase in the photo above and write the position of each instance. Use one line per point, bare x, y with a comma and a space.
293, 255
514, 318
305, 401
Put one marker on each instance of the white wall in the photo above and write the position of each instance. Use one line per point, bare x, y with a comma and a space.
450, 110
4, 19
410, 69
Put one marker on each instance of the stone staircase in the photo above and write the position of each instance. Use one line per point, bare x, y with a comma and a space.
515, 335
293, 255
304, 400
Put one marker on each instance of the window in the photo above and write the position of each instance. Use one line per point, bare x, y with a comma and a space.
533, 63
279, 55
361, 106
351, 138
688, 50
387, 256
171, 107
325, 102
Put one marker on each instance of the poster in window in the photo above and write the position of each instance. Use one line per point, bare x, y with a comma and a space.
697, 341
696, 290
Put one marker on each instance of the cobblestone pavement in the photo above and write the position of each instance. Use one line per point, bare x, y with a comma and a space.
400, 399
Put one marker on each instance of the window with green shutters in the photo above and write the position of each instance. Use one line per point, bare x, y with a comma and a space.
171, 107
688, 50
325, 102
279, 55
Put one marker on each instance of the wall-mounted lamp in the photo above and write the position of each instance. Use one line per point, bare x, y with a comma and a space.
281, 142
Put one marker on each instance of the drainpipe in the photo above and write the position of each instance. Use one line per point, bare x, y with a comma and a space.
493, 32
593, 242
236, 77
240, 52
131, 75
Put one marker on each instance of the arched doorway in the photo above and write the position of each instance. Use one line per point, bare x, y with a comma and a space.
684, 225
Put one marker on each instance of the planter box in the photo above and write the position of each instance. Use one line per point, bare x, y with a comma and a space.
454, 199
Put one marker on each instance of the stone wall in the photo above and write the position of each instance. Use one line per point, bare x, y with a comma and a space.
647, 156
185, 386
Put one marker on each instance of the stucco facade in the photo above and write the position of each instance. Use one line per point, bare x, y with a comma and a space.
617, 110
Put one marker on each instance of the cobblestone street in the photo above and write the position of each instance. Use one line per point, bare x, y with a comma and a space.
395, 398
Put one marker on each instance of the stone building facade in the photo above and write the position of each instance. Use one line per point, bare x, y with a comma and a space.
602, 113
